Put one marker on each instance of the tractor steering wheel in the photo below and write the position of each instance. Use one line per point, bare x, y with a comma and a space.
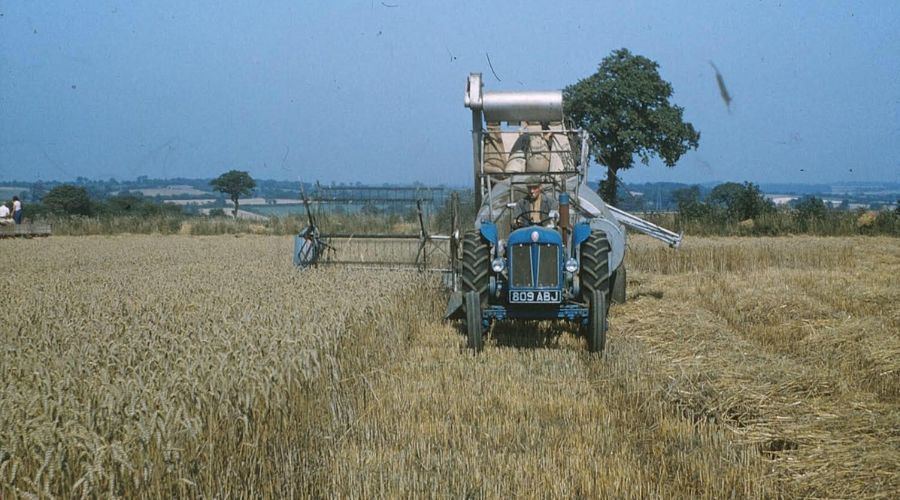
524, 219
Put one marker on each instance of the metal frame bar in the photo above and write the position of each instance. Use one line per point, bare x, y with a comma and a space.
484, 182
633, 221
569, 311
430, 247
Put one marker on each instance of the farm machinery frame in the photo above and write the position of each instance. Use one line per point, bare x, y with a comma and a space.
522, 261
423, 250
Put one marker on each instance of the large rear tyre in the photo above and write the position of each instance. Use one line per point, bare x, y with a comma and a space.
597, 326
594, 274
472, 305
617, 296
476, 265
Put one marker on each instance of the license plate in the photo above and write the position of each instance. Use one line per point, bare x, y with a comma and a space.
534, 296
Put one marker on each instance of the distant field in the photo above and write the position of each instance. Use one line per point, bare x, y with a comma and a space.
276, 210
210, 367
282, 209
7, 192
174, 191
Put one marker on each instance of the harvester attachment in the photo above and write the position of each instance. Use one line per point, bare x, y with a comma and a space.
422, 251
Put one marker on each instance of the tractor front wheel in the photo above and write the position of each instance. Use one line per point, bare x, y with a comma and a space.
476, 265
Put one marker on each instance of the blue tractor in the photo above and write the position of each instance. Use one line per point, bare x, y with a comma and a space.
545, 246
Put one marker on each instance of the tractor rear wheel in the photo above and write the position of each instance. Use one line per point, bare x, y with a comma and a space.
617, 295
594, 275
476, 265
472, 305
597, 326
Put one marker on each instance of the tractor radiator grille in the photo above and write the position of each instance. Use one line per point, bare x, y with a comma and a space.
521, 266
548, 266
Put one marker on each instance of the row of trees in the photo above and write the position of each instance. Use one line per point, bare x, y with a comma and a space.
69, 199
733, 208
730, 201
72, 199
727, 209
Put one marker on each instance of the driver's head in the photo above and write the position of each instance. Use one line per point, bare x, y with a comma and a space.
534, 187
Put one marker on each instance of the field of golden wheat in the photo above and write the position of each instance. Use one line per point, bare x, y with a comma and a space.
161, 366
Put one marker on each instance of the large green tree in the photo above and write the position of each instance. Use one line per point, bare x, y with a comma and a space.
68, 199
234, 183
625, 109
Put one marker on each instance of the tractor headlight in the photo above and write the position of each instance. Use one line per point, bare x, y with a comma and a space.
571, 266
498, 264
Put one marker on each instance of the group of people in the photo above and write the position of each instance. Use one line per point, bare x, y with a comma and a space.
14, 215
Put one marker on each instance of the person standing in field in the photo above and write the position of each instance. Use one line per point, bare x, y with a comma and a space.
17, 210
4, 215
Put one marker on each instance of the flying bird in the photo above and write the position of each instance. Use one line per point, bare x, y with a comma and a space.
492, 66
723, 91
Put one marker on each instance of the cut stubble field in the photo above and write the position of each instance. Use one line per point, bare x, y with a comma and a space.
156, 366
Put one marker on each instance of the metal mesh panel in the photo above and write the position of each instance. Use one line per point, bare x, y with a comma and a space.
548, 266
521, 266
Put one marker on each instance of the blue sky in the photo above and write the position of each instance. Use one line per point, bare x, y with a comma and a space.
372, 91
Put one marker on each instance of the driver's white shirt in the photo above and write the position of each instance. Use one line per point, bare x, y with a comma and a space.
4, 211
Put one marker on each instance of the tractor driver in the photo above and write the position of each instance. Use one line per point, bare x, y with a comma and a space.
536, 206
